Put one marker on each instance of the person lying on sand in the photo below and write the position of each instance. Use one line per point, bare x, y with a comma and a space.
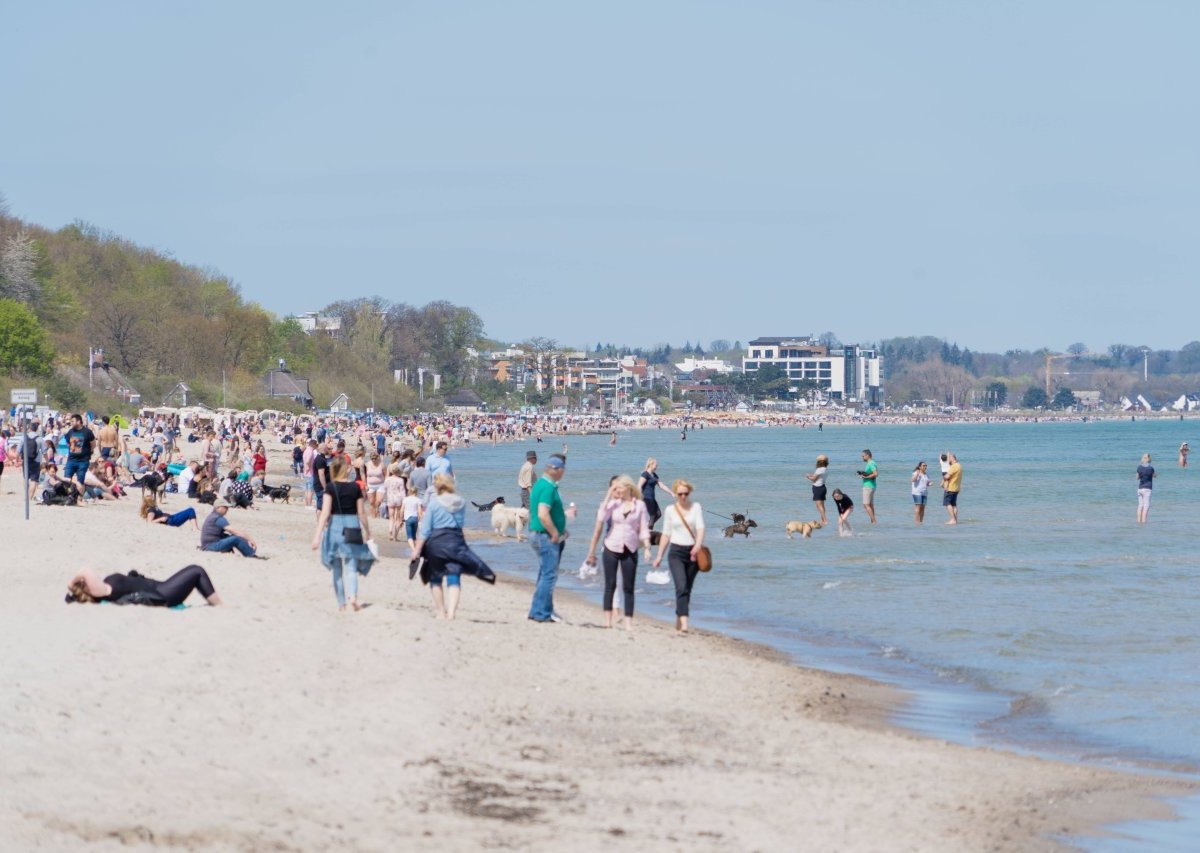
133, 588
150, 512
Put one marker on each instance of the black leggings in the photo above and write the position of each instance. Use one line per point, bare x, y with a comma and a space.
179, 586
683, 572
628, 561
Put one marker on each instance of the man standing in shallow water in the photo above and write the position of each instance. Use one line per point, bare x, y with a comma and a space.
869, 474
953, 486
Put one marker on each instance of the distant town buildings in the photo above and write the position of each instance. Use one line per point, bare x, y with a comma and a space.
846, 373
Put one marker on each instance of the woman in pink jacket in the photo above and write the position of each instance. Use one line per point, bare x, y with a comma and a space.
625, 516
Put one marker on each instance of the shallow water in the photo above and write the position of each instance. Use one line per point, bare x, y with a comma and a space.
1048, 619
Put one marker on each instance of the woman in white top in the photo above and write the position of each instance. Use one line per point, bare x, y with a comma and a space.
920, 491
683, 531
817, 478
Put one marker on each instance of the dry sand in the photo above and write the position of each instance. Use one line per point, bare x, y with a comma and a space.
277, 723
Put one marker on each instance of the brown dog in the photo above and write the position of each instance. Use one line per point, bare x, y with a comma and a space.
804, 528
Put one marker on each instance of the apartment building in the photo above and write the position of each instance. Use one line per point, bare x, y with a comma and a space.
846, 372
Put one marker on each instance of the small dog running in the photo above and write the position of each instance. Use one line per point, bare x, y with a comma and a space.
487, 507
741, 525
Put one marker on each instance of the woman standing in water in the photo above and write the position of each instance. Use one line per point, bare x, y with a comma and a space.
817, 478
648, 483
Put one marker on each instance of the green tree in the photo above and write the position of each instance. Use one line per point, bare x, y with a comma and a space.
996, 394
24, 347
1064, 398
1034, 398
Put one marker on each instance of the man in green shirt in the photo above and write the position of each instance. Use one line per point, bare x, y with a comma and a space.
547, 536
868, 474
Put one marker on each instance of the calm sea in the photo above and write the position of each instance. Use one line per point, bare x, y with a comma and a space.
1048, 619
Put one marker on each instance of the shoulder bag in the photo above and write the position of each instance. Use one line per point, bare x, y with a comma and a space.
350, 535
703, 556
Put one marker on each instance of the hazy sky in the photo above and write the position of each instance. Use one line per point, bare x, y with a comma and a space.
1001, 174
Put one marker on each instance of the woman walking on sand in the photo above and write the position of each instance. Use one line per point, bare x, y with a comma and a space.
628, 524
683, 533
817, 478
376, 475
440, 541
342, 533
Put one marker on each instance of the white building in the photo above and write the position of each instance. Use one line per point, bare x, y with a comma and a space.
715, 365
845, 373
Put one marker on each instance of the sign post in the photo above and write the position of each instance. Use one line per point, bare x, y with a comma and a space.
25, 398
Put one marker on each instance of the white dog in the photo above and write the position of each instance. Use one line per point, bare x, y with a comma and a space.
504, 517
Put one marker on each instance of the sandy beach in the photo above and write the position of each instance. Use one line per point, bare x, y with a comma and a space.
277, 723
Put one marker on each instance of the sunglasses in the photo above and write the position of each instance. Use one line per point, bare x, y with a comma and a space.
682, 494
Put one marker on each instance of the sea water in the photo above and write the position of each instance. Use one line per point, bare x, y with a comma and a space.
1047, 619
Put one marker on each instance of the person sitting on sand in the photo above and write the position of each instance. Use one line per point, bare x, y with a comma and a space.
440, 541
217, 535
87, 588
150, 512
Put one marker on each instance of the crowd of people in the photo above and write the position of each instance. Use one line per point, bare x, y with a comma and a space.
398, 473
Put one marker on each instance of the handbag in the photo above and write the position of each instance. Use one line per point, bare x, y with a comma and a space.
350, 535
703, 556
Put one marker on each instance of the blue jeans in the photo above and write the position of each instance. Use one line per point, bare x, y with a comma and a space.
320, 492
345, 579
229, 543
549, 554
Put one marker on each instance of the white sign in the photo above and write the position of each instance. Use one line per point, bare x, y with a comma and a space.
24, 396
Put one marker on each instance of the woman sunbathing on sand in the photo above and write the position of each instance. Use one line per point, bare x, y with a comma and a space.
87, 588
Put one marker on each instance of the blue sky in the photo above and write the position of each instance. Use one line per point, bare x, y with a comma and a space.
1001, 174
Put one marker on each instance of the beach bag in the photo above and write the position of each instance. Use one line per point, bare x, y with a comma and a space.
659, 577
703, 556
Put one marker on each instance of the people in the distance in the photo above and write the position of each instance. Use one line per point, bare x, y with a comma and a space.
343, 532
440, 541
683, 533
133, 588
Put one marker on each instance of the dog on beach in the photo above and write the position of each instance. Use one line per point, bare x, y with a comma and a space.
487, 507
155, 483
504, 517
278, 493
804, 528
742, 527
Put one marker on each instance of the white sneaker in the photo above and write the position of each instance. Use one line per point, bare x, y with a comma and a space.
554, 617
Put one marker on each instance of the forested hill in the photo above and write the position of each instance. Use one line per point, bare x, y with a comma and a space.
161, 321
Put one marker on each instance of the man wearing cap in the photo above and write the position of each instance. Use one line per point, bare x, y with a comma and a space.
547, 536
525, 478
217, 535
